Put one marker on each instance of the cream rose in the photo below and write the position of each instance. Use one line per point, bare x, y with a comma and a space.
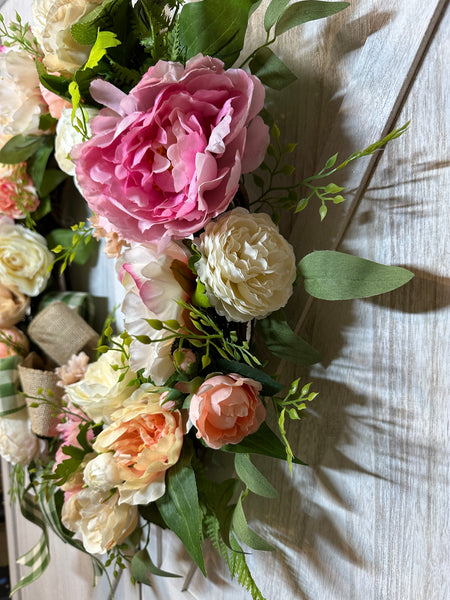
21, 102
103, 472
13, 306
100, 392
146, 440
18, 444
25, 260
67, 137
247, 267
52, 22
98, 520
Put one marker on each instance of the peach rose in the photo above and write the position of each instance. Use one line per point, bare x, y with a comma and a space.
226, 408
146, 440
13, 305
13, 341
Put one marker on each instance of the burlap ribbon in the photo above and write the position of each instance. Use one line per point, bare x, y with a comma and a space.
10, 399
82, 301
39, 387
60, 332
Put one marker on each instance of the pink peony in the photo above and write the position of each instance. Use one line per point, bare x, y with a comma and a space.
166, 158
226, 408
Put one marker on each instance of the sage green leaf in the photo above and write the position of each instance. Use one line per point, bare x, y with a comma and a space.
243, 531
331, 275
252, 477
37, 164
274, 12
215, 28
179, 507
50, 180
284, 343
19, 148
270, 387
309, 10
264, 442
271, 70
142, 566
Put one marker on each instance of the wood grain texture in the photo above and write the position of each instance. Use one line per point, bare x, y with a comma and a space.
369, 518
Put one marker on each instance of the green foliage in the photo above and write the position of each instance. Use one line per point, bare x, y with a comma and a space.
72, 245
269, 385
66, 468
292, 405
215, 28
284, 343
252, 477
104, 40
179, 507
239, 569
21, 147
270, 69
142, 567
243, 531
303, 12
333, 275
18, 34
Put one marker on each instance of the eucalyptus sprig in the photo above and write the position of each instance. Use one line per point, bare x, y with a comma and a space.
19, 34
291, 405
274, 196
75, 247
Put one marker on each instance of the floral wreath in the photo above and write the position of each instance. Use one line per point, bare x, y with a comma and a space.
151, 110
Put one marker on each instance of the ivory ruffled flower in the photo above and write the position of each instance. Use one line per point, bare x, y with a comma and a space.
146, 440
100, 392
103, 472
247, 267
13, 306
21, 102
226, 408
52, 22
18, 444
167, 157
151, 293
98, 520
25, 259
17, 193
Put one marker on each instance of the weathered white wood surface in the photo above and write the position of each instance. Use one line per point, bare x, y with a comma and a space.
370, 517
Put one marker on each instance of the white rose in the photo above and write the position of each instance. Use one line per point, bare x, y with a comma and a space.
21, 102
25, 259
247, 267
152, 293
103, 473
18, 444
52, 22
67, 137
100, 392
98, 520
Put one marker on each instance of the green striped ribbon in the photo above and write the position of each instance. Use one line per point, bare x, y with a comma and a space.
81, 301
10, 400
38, 557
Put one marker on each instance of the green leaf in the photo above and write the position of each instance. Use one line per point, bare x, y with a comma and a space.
200, 298
252, 477
215, 28
37, 164
84, 31
331, 161
243, 531
19, 148
271, 70
142, 566
64, 237
270, 387
51, 179
284, 343
74, 91
274, 12
323, 211
309, 10
333, 275
332, 188
105, 40
179, 507
151, 514
55, 83
264, 442
47, 121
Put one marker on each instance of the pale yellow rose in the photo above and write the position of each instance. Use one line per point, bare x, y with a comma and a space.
100, 392
52, 22
146, 440
25, 260
103, 472
98, 520
247, 267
